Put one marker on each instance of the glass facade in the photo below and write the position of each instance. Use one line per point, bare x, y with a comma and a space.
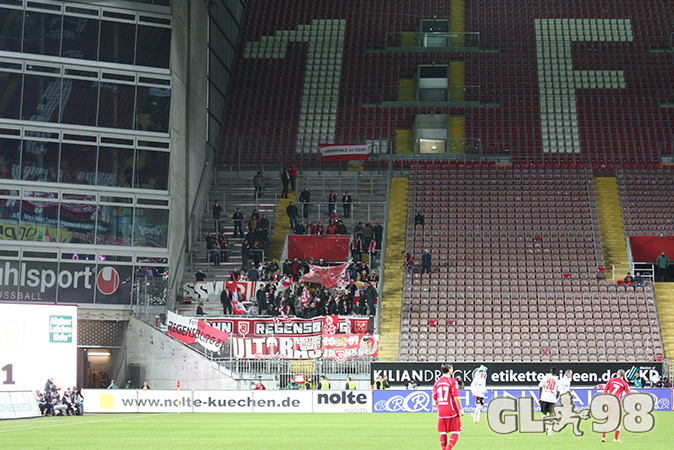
85, 98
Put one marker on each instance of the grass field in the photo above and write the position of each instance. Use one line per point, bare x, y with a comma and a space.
296, 432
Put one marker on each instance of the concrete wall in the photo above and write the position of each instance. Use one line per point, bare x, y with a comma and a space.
188, 122
165, 361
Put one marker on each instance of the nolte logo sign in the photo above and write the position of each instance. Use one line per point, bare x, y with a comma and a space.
343, 398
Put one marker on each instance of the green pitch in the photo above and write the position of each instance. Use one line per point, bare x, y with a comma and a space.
296, 432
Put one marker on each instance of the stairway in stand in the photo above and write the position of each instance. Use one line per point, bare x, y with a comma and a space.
664, 297
389, 329
610, 223
281, 229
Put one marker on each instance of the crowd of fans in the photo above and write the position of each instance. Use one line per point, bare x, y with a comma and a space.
284, 295
52, 402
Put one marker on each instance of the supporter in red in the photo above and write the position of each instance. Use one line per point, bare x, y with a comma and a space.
259, 386
619, 387
629, 281
332, 200
292, 171
334, 218
446, 399
311, 228
332, 228
357, 249
408, 262
320, 229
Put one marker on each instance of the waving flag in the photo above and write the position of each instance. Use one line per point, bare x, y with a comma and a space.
329, 276
305, 298
237, 306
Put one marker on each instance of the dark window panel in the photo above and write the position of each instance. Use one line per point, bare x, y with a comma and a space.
77, 222
42, 33
10, 156
151, 228
9, 214
153, 47
10, 93
116, 105
80, 38
11, 25
153, 109
115, 225
117, 42
39, 220
78, 164
152, 170
115, 167
39, 161
79, 102
41, 98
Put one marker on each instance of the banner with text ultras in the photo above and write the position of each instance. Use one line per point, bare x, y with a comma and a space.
37, 342
516, 374
393, 401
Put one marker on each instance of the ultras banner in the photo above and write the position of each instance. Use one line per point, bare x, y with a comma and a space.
263, 327
516, 374
337, 347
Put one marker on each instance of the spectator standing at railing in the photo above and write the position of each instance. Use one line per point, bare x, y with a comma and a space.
346, 204
371, 296
253, 274
332, 200
299, 229
223, 243
367, 234
341, 228
292, 172
311, 228
661, 265
332, 228
357, 249
237, 217
320, 229
285, 181
305, 198
226, 300
358, 230
258, 184
217, 210
378, 233
291, 211
372, 250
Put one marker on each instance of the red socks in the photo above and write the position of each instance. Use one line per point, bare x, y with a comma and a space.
452, 441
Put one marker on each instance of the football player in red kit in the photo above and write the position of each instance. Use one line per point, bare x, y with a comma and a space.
616, 386
446, 399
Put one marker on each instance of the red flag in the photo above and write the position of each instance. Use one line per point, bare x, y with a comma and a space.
305, 298
237, 306
330, 325
330, 277
178, 385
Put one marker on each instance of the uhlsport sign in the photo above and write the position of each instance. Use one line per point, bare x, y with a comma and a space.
71, 282
516, 374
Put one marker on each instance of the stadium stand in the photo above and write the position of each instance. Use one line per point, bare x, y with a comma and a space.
517, 252
646, 200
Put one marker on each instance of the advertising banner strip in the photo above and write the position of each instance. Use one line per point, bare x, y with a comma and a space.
334, 152
190, 330
18, 405
516, 374
188, 401
397, 401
